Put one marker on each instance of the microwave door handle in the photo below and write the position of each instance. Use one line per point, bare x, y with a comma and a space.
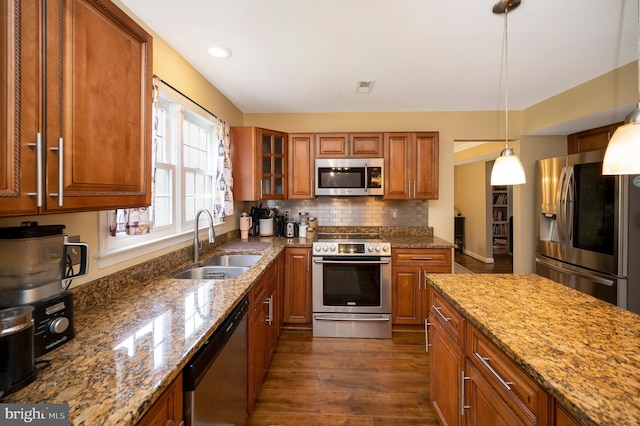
366, 177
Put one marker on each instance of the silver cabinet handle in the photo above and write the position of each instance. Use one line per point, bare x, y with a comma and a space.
39, 194
426, 334
462, 406
415, 186
435, 308
485, 363
260, 185
269, 301
60, 149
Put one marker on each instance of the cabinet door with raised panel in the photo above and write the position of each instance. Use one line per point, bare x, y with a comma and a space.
20, 117
366, 145
301, 167
297, 286
483, 406
425, 166
331, 145
397, 173
447, 363
98, 111
406, 296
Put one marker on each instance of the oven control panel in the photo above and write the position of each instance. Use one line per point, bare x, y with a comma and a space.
350, 248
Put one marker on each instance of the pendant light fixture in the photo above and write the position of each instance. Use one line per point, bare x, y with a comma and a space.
622, 156
507, 168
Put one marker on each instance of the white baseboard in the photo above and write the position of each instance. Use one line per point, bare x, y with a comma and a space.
478, 257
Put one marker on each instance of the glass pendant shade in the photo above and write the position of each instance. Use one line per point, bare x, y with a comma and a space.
622, 156
507, 169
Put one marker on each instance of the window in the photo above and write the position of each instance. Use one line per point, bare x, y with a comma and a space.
191, 171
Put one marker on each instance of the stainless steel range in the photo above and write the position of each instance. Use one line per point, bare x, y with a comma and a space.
351, 286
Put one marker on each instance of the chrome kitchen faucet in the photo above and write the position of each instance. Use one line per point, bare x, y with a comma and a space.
212, 233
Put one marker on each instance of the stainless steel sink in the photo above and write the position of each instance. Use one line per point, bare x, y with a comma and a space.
212, 273
233, 260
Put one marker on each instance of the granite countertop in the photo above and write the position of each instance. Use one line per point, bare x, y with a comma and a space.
581, 350
129, 348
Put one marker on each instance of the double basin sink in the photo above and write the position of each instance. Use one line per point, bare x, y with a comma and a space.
220, 267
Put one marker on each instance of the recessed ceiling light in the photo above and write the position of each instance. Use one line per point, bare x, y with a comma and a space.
364, 86
219, 52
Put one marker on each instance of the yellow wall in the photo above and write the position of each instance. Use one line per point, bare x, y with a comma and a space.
471, 199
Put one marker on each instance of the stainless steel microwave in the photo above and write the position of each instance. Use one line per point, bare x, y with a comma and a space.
349, 176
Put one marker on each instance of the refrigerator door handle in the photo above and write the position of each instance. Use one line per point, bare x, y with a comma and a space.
570, 200
582, 272
560, 208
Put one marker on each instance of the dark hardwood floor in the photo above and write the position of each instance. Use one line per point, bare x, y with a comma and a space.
331, 381
503, 264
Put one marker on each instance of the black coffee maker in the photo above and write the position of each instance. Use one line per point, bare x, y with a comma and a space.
278, 225
254, 231
34, 272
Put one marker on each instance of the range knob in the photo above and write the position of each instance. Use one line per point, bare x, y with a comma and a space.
325, 248
378, 249
385, 249
318, 248
332, 249
370, 249
59, 325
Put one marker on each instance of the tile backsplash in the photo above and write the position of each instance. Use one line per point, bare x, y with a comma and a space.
357, 211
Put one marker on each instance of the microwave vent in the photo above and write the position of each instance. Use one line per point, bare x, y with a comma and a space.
364, 86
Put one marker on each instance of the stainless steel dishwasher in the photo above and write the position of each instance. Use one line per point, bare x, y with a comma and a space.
215, 379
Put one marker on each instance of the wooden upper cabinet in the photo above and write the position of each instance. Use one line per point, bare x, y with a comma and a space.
91, 83
590, 140
99, 91
259, 157
353, 145
301, 167
20, 117
411, 165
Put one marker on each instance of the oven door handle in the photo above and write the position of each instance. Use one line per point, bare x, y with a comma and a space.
354, 262
338, 318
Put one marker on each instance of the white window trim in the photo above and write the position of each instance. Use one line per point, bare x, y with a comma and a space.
160, 239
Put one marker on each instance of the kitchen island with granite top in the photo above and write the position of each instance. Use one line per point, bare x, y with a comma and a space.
582, 352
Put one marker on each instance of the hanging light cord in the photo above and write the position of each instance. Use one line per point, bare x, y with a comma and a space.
639, 54
506, 81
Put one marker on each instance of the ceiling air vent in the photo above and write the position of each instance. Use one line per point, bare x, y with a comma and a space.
364, 86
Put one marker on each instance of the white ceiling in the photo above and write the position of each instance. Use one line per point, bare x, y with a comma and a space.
425, 55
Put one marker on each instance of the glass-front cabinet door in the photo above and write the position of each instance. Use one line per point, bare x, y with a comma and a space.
274, 179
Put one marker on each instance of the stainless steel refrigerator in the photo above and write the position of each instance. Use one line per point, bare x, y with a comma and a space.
588, 228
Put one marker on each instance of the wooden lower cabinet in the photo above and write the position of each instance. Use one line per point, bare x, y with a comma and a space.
473, 382
563, 418
263, 329
482, 405
297, 286
410, 291
167, 410
447, 367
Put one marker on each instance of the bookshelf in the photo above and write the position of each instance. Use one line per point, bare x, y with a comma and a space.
500, 219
